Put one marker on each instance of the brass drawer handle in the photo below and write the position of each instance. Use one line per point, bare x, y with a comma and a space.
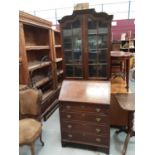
98, 119
98, 109
69, 126
98, 139
70, 136
68, 106
98, 130
68, 116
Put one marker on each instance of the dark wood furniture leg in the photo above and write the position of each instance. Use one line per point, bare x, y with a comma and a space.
130, 132
42, 143
127, 65
32, 149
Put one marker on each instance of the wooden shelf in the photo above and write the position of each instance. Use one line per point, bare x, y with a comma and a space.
58, 59
60, 72
37, 47
57, 46
37, 65
47, 94
42, 81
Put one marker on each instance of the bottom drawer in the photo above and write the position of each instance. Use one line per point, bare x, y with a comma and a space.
85, 138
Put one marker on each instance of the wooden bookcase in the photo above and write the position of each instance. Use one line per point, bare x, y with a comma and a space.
86, 37
58, 60
36, 53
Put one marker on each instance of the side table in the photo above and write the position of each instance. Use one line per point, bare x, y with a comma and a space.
127, 103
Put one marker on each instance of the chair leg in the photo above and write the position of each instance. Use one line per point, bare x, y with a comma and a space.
32, 149
42, 143
126, 142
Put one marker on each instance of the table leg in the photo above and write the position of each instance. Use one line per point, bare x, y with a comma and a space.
130, 131
127, 73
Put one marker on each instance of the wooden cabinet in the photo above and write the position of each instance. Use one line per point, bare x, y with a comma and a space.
86, 37
84, 113
57, 56
37, 62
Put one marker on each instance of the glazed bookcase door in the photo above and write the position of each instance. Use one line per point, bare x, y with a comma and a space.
97, 49
86, 37
73, 49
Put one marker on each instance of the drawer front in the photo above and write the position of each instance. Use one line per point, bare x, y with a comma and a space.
92, 118
85, 138
100, 109
85, 127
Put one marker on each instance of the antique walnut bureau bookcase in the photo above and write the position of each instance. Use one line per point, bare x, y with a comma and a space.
86, 37
37, 61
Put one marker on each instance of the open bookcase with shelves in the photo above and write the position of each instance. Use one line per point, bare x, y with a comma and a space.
36, 52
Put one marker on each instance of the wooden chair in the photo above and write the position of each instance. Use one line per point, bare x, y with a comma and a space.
30, 127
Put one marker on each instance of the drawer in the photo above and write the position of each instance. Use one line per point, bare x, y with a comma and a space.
85, 127
86, 117
101, 109
85, 138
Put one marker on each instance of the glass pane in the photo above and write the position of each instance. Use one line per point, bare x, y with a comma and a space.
102, 56
67, 46
67, 33
102, 71
68, 57
77, 56
92, 41
103, 29
92, 26
77, 44
67, 30
102, 41
92, 70
78, 71
92, 56
69, 70
67, 40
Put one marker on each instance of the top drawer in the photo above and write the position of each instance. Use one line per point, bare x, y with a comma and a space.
84, 107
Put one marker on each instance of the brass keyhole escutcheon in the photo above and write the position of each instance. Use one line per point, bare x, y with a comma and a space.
98, 130
68, 116
98, 119
98, 109
69, 126
68, 106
